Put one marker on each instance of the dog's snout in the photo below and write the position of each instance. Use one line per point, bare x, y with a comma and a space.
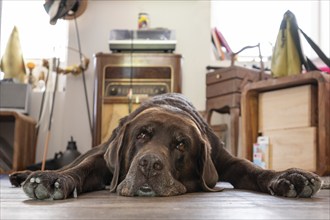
150, 165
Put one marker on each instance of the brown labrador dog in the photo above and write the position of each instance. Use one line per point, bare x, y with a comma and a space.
164, 148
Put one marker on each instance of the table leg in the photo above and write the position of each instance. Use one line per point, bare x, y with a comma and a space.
209, 116
234, 124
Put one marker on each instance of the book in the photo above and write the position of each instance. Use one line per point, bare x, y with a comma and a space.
217, 44
214, 49
223, 41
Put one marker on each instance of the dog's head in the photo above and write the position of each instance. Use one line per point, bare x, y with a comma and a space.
160, 151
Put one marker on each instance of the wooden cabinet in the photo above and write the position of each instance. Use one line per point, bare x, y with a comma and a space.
118, 74
17, 141
294, 112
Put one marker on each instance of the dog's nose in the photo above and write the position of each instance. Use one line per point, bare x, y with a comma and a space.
150, 165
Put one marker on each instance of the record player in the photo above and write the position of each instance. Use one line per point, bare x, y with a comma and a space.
142, 40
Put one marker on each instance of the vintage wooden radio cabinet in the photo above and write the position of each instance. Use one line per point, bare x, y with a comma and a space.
124, 80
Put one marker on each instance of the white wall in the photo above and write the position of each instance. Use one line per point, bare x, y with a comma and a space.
190, 20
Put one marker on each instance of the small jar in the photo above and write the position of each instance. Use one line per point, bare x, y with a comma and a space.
143, 22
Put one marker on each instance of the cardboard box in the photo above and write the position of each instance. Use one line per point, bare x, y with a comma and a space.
261, 152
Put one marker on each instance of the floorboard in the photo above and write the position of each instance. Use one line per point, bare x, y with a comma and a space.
228, 204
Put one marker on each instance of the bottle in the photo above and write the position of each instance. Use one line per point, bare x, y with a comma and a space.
69, 155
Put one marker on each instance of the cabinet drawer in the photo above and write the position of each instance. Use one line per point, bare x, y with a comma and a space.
292, 148
287, 108
223, 88
231, 100
232, 72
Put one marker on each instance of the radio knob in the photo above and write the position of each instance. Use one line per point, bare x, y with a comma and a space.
162, 90
159, 90
113, 91
156, 91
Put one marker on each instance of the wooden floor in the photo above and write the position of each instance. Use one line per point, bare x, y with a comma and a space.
229, 204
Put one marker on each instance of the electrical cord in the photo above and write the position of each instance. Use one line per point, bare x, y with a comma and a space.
83, 76
130, 93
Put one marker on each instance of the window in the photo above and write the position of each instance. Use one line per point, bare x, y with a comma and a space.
38, 38
251, 22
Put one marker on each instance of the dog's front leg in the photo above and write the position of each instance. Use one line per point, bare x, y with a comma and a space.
290, 183
89, 175
243, 174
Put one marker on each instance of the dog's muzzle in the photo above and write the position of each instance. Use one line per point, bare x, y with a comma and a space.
149, 175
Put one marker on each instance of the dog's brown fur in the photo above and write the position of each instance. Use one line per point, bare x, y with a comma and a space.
164, 148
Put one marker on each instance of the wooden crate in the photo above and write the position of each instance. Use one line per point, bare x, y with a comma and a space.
320, 117
287, 108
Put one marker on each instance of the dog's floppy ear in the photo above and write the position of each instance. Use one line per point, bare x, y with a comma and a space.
209, 175
113, 155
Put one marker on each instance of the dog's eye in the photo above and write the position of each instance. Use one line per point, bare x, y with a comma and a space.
144, 133
141, 135
180, 146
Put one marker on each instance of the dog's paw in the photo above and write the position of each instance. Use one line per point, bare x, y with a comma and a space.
18, 178
295, 183
48, 185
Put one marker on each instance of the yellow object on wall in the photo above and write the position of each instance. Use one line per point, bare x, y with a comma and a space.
12, 62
